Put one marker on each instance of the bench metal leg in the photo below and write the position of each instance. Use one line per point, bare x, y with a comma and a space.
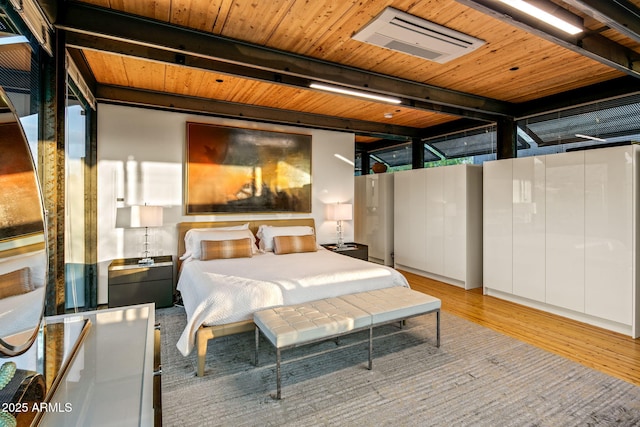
370, 348
438, 328
278, 379
257, 345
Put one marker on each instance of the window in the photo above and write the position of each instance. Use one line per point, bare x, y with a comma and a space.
608, 122
473, 146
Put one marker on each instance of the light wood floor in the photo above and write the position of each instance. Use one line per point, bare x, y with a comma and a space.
606, 351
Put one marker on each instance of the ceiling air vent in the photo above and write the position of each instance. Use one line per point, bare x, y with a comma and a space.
409, 34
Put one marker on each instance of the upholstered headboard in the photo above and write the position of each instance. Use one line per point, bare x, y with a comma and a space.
183, 227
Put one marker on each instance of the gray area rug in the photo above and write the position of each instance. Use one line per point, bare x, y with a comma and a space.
477, 377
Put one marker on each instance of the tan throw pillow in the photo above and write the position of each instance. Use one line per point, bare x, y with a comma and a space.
224, 249
17, 282
294, 244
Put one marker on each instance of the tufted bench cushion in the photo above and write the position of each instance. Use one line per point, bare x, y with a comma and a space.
392, 304
294, 325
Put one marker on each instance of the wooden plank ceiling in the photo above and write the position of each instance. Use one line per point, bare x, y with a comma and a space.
514, 67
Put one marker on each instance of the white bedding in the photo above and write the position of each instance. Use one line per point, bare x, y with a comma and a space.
222, 291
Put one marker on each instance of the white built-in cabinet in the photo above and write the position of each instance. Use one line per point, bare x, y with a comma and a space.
438, 223
373, 215
560, 234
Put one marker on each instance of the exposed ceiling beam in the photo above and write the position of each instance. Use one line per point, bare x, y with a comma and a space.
84, 69
620, 15
456, 126
590, 45
142, 98
380, 144
623, 86
142, 37
92, 42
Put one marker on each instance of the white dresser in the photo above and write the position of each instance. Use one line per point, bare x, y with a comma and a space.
438, 223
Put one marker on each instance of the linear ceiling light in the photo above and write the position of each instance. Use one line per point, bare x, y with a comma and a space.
344, 91
544, 16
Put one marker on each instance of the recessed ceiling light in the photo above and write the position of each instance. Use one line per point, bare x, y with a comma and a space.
345, 91
388, 115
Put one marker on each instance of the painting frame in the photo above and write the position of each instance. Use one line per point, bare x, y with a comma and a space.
237, 170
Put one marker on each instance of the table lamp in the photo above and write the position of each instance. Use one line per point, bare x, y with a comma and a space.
146, 216
340, 212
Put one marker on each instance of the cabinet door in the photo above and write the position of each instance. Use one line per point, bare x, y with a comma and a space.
434, 222
377, 224
375, 217
608, 234
401, 227
417, 219
401, 215
360, 209
529, 228
384, 243
455, 223
497, 225
409, 218
565, 230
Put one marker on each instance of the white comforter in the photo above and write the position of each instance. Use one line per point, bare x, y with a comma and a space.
217, 292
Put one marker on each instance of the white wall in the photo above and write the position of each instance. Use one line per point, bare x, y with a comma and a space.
140, 160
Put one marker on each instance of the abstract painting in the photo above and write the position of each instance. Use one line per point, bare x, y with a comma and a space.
237, 170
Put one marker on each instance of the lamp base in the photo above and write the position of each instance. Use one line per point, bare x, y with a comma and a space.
340, 246
146, 261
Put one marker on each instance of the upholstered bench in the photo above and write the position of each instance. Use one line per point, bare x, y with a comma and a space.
294, 325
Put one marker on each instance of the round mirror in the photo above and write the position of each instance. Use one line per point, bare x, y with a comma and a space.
23, 238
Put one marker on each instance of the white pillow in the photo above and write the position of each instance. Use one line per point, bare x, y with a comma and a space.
194, 236
266, 233
188, 237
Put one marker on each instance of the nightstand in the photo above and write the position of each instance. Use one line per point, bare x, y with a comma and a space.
130, 283
355, 250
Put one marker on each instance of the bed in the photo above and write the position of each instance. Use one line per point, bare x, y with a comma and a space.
221, 295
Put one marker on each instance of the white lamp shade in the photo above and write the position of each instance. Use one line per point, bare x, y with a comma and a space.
139, 216
340, 212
